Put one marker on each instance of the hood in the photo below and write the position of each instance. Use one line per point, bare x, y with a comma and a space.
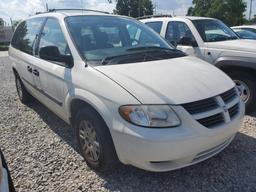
172, 81
236, 45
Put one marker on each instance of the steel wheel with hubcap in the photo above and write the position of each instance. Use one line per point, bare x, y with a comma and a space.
88, 138
246, 84
243, 90
94, 139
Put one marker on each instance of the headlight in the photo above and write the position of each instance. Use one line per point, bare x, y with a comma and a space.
160, 116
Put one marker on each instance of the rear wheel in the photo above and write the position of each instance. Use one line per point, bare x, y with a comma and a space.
23, 94
94, 140
246, 84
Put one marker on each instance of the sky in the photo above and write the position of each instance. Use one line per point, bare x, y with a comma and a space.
21, 9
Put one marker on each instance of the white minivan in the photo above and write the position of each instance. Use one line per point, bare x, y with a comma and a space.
129, 95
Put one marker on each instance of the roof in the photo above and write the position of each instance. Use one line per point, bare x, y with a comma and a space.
178, 17
195, 18
60, 13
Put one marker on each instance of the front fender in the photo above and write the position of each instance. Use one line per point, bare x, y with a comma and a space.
106, 108
233, 61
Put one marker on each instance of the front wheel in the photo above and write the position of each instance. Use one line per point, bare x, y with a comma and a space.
246, 84
94, 140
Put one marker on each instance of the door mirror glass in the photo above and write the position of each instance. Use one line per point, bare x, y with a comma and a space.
52, 53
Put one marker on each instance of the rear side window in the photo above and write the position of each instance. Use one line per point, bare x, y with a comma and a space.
25, 35
157, 26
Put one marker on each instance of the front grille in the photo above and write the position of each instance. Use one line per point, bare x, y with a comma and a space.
200, 106
229, 95
211, 112
212, 121
233, 111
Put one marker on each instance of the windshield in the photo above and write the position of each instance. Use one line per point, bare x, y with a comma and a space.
101, 37
214, 30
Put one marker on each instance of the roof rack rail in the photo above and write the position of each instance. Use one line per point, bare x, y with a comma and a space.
92, 10
55, 10
154, 16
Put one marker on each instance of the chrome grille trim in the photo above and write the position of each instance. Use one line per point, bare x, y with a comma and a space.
215, 111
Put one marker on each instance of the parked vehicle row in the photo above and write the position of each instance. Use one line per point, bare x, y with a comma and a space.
129, 94
211, 40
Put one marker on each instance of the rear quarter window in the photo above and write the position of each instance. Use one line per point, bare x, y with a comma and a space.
25, 35
157, 25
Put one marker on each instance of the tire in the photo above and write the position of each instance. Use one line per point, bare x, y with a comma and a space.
94, 140
23, 94
247, 85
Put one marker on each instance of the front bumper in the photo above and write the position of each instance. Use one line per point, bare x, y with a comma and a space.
173, 148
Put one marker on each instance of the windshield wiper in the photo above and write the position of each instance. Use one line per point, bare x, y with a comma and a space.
149, 48
106, 60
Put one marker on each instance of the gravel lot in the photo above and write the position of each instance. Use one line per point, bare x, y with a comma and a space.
42, 156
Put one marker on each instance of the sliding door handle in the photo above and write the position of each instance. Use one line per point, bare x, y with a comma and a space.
35, 72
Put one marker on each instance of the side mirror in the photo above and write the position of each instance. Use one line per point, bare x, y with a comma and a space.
52, 53
174, 43
187, 41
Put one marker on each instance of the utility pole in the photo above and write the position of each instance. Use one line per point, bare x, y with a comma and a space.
46, 7
155, 8
139, 8
250, 13
12, 24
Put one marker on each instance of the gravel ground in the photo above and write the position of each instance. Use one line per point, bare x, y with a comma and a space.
42, 156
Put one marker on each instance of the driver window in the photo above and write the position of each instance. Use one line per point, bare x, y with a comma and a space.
53, 36
177, 32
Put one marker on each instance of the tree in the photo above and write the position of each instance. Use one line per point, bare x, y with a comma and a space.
229, 11
200, 7
134, 8
15, 23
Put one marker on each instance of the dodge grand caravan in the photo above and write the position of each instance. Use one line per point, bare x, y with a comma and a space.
129, 95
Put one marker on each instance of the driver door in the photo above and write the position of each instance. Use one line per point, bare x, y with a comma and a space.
178, 33
53, 77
